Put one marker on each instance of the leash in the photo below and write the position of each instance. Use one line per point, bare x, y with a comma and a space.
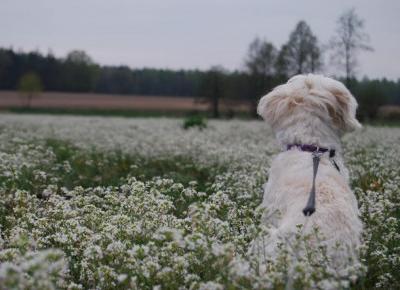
310, 206
316, 152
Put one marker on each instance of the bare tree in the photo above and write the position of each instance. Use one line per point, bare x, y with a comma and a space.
30, 85
301, 54
260, 68
348, 41
213, 88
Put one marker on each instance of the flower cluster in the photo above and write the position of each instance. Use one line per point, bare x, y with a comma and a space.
63, 229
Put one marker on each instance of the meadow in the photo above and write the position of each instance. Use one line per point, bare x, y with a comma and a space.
141, 203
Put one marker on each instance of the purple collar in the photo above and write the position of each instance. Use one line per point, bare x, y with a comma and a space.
312, 148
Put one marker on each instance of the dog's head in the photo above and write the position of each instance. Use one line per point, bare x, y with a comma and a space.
314, 95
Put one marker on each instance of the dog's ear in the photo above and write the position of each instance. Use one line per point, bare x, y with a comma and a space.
345, 114
272, 105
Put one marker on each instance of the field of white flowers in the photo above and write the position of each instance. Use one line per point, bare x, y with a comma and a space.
113, 203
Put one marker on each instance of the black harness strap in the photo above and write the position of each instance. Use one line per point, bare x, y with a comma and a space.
310, 207
335, 164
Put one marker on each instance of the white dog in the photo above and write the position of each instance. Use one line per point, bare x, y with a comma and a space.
308, 115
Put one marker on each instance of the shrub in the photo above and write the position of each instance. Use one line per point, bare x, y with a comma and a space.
195, 121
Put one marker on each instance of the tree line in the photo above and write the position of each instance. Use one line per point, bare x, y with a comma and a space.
77, 72
265, 66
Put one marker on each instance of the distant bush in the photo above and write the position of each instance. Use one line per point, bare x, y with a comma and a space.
195, 121
30, 85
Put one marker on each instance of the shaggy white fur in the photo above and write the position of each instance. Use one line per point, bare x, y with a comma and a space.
311, 109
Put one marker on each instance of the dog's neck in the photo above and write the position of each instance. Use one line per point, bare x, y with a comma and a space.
310, 130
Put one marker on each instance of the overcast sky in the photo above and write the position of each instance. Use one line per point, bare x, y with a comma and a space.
188, 33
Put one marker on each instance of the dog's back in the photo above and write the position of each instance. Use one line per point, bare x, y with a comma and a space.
286, 194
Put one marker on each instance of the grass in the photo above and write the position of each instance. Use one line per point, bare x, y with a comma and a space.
383, 123
379, 122
93, 168
100, 112
120, 112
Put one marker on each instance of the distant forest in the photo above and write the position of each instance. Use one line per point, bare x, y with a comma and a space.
78, 73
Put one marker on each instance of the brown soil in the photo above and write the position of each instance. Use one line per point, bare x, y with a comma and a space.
12, 99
